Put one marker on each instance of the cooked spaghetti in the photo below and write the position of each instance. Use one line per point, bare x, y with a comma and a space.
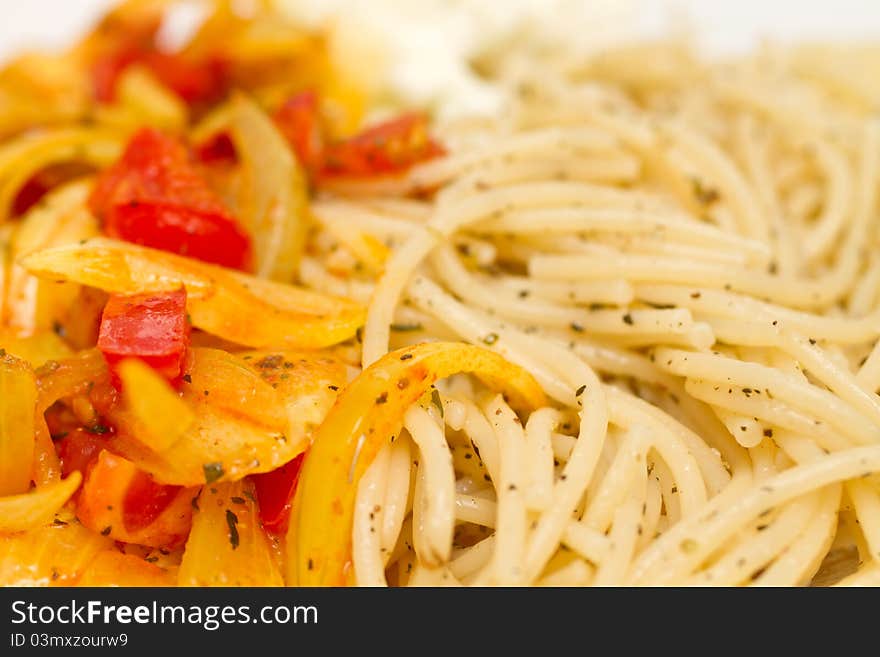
626, 332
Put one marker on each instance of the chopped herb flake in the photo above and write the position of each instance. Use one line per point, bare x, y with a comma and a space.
270, 362
405, 328
704, 194
435, 399
232, 523
213, 472
490, 339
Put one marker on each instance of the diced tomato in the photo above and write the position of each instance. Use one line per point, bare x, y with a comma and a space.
107, 69
155, 196
389, 148
385, 149
120, 500
300, 123
124, 40
79, 449
195, 82
275, 493
150, 327
145, 500
219, 149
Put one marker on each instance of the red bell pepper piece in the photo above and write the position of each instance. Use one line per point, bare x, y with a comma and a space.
151, 327
195, 81
123, 502
107, 70
127, 41
219, 149
139, 498
144, 500
385, 149
79, 449
155, 196
181, 230
275, 493
299, 121
388, 148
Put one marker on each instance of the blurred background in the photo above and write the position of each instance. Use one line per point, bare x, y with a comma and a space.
723, 26
412, 37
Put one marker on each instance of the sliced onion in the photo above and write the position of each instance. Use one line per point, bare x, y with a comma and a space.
273, 196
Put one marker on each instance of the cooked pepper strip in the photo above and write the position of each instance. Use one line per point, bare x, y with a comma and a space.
275, 492
367, 415
156, 412
149, 327
249, 417
121, 501
154, 196
234, 306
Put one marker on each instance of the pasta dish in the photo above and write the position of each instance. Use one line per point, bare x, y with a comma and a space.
261, 325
